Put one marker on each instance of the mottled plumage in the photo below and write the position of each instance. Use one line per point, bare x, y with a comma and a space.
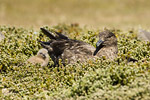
72, 50
107, 45
42, 58
61, 47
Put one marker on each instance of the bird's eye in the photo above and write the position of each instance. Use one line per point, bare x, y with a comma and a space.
108, 36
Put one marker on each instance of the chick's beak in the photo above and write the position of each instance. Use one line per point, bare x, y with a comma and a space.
43, 55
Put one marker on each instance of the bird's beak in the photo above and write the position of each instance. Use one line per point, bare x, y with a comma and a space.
99, 43
43, 55
98, 46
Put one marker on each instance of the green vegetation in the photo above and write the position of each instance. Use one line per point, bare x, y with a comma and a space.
102, 79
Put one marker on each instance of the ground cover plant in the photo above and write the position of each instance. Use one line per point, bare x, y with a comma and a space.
102, 79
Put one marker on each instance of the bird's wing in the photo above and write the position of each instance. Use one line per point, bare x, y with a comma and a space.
48, 33
62, 36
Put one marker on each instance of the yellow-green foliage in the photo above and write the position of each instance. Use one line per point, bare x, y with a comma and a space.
102, 79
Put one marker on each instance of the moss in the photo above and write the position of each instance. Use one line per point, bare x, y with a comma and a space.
102, 79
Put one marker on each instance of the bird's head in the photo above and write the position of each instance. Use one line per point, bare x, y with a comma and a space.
106, 39
43, 53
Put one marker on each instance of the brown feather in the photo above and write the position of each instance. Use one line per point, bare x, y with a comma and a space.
75, 50
109, 49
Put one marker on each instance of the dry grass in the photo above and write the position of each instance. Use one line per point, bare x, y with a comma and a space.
94, 13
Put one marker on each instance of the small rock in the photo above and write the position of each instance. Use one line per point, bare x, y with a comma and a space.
1, 36
144, 35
